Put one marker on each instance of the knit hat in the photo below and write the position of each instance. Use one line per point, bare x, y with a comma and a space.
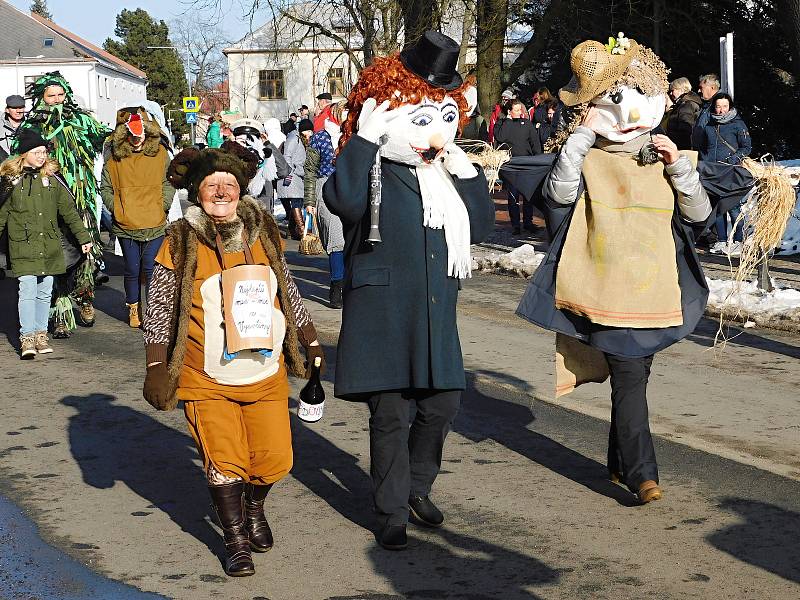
305, 125
28, 139
191, 166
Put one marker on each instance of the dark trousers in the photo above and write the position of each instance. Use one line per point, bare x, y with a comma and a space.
630, 445
514, 197
405, 460
140, 259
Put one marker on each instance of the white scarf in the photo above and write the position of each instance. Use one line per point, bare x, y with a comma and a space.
442, 207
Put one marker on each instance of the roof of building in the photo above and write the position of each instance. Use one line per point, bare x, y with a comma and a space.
91, 49
31, 37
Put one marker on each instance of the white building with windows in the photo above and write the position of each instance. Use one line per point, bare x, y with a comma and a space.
31, 45
282, 65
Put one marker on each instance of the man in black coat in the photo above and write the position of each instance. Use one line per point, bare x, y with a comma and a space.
517, 134
399, 343
683, 114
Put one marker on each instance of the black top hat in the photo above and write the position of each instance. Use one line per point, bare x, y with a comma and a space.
324, 96
434, 58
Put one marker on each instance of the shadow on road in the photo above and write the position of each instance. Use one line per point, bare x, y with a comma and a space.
460, 567
485, 417
314, 281
114, 443
706, 331
768, 537
332, 474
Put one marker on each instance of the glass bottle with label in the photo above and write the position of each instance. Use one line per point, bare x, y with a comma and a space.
312, 396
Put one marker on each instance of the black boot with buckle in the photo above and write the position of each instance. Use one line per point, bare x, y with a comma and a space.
258, 530
229, 506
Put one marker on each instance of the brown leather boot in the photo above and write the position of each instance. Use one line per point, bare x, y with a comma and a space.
649, 491
296, 225
229, 506
255, 521
134, 317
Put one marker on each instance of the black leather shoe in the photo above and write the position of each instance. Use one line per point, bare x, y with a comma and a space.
229, 506
393, 537
258, 529
516, 231
425, 511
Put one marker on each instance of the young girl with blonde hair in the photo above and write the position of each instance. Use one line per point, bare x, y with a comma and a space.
33, 199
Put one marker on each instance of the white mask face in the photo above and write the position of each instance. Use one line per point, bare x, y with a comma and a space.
253, 142
627, 114
417, 133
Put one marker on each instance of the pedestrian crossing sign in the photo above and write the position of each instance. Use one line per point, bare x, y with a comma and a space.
191, 104
191, 118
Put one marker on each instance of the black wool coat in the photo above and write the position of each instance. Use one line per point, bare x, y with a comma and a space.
399, 318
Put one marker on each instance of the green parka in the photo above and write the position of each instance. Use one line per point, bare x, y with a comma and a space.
31, 212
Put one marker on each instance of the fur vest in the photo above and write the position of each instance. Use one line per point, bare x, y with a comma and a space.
197, 227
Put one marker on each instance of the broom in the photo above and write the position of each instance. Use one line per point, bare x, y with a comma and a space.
310, 243
491, 159
767, 211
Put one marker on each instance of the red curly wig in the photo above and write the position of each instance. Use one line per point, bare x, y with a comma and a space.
388, 78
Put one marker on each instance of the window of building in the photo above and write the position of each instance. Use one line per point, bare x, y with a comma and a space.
29, 80
48, 42
270, 85
336, 82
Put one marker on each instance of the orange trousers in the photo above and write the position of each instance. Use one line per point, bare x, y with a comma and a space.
242, 440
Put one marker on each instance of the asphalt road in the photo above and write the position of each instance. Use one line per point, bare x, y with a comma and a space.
118, 497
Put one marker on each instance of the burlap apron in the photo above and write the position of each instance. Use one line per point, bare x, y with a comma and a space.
618, 264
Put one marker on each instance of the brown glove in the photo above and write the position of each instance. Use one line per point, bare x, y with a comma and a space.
156, 387
307, 334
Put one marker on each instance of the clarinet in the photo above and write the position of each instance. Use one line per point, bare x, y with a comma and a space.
374, 236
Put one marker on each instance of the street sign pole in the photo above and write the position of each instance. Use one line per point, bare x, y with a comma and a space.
191, 106
726, 63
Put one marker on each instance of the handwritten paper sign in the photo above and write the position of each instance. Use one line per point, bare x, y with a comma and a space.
247, 307
251, 308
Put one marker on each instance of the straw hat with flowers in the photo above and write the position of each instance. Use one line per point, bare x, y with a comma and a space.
598, 68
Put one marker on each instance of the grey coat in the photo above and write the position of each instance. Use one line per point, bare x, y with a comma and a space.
7, 132
295, 154
399, 319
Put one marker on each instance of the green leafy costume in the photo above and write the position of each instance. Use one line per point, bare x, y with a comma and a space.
76, 138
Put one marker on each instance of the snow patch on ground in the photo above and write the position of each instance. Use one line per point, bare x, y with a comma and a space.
522, 261
780, 307
754, 303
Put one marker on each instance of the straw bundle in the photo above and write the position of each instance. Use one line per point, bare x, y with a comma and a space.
764, 216
491, 159
310, 243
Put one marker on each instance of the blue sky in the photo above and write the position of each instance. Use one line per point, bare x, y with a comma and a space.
95, 20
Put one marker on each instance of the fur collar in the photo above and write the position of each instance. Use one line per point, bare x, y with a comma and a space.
249, 218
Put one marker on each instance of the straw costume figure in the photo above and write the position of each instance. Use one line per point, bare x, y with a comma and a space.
621, 280
76, 138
